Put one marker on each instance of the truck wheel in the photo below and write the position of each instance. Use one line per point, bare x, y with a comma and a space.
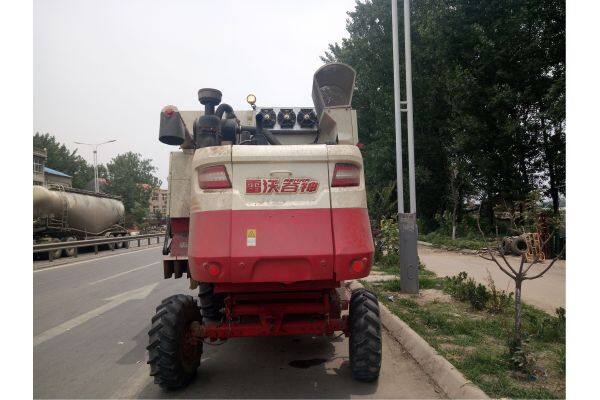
70, 252
173, 351
365, 336
118, 245
109, 246
55, 253
126, 242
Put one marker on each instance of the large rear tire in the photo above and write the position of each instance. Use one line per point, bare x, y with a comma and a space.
173, 351
365, 336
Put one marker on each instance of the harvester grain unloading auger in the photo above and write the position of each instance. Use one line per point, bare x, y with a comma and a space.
266, 218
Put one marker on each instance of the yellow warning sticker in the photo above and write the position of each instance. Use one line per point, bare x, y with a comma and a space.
250, 237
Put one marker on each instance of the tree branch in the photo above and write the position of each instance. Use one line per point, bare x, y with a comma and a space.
492, 255
521, 264
547, 268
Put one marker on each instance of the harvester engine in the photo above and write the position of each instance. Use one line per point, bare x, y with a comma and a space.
267, 218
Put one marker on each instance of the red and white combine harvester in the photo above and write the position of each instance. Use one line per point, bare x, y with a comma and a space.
267, 217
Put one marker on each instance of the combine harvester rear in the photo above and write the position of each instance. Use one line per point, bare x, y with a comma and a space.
267, 220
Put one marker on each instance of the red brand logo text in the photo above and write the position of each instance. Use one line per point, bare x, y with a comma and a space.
286, 185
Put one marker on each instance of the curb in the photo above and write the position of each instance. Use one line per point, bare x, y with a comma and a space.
444, 374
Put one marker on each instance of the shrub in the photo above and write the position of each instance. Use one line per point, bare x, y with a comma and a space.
463, 288
546, 327
453, 285
499, 299
478, 295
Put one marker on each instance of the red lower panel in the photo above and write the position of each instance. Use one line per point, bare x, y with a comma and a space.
280, 246
353, 243
208, 246
266, 246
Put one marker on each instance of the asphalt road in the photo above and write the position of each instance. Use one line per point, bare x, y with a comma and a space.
90, 322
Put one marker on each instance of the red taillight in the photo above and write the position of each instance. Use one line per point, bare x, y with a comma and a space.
358, 265
345, 175
214, 270
214, 178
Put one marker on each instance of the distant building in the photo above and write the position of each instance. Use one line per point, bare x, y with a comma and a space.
39, 161
44, 176
54, 177
159, 202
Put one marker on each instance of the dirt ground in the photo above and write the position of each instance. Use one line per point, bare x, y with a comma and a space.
546, 293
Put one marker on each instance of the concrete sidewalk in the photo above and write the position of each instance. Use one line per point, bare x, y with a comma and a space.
546, 293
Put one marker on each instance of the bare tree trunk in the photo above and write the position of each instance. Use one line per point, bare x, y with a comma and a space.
454, 216
517, 334
455, 199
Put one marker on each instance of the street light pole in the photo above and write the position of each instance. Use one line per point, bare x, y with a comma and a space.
397, 109
95, 147
407, 222
409, 108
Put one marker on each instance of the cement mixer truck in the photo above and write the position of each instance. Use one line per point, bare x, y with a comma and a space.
63, 214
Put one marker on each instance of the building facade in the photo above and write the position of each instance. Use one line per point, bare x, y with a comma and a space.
159, 202
54, 177
44, 176
39, 162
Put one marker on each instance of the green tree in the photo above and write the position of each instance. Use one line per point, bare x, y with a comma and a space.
488, 84
64, 160
132, 177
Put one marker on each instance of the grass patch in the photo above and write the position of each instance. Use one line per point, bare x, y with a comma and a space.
476, 341
441, 240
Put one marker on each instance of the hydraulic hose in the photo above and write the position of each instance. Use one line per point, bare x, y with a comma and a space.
270, 138
227, 109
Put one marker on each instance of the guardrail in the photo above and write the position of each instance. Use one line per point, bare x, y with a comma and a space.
95, 243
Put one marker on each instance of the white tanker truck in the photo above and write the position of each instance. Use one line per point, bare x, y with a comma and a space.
62, 214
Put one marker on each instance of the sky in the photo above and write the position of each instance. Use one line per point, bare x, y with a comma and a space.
102, 70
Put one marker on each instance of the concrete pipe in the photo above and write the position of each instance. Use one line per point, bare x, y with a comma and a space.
506, 245
519, 245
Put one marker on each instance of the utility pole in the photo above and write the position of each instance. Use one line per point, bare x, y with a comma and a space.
95, 147
407, 222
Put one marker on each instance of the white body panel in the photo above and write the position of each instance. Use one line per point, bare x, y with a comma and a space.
281, 163
316, 162
180, 172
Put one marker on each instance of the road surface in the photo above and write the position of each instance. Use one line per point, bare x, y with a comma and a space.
547, 292
90, 323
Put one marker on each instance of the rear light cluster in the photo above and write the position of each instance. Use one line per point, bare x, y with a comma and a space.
214, 177
345, 175
358, 266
